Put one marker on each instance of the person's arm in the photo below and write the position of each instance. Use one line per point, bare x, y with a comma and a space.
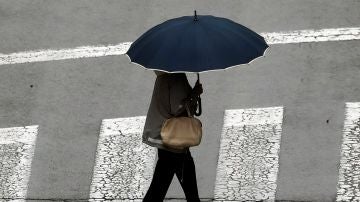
179, 96
192, 98
195, 97
197, 90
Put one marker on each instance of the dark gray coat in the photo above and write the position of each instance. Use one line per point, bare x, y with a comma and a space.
168, 96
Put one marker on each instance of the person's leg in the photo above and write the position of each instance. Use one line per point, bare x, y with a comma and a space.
188, 183
163, 174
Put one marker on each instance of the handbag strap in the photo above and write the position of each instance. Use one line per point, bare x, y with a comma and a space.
187, 109
169, 98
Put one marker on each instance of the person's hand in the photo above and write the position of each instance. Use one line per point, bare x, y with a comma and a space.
197, 90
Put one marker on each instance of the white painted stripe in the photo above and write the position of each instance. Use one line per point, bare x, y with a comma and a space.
300, 36
78, 52
297, 36
17, 145
349, 172
252, 116
248, 158
124, 165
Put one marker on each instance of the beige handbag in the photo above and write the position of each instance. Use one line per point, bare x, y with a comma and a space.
181, 132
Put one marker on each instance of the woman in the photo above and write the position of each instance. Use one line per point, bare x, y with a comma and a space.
171, 91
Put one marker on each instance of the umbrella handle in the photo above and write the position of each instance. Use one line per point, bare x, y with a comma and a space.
198, 98
199, 101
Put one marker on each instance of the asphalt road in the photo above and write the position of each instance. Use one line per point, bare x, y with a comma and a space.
69, 98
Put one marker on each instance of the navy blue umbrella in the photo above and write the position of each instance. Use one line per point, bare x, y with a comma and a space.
196, 43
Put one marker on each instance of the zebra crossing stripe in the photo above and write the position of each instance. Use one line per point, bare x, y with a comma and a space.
124, 165
62, 54
17, 145
349, 172
301, 36
248, 157
283, 37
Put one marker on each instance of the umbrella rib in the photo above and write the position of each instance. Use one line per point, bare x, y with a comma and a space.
179, 42
153, 33
241, 36
211, 44
225, 37
159, 47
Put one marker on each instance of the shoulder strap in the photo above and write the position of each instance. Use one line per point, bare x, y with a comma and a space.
188, 110
169, 98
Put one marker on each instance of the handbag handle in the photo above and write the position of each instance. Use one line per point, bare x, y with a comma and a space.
198, 99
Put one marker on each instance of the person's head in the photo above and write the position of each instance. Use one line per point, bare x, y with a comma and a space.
158, 73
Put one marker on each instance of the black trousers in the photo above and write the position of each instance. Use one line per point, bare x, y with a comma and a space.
182, 164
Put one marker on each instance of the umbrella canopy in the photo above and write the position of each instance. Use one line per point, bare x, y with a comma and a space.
196, 43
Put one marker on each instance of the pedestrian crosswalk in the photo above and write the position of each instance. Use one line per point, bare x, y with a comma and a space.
247, 166
17, 146
124, 165
349, 172
248, 157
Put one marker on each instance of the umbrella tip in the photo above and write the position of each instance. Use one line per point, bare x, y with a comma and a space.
195, 16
